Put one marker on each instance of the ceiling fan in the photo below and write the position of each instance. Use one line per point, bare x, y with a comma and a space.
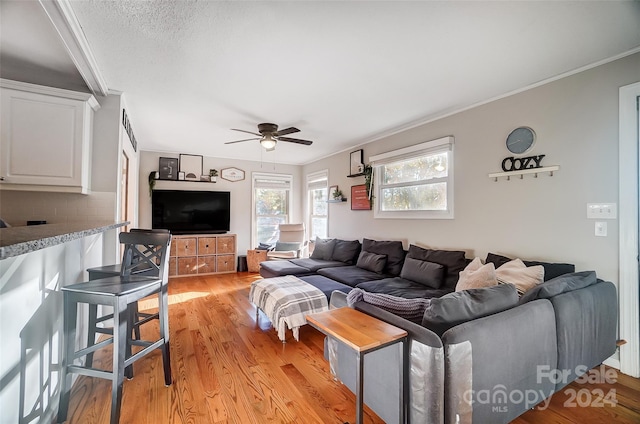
269, 135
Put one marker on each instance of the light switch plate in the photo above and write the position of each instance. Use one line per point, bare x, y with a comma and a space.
602, 210
601, 229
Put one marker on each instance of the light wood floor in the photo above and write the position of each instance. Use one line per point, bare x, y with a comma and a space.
229, 369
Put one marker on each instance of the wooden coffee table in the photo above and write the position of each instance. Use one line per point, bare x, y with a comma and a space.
364, 333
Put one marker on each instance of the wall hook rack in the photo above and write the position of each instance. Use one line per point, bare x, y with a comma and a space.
522, 173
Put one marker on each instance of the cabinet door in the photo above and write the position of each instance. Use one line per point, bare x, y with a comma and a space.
226, 244
226, 263
206, 245
206, 264
186, 246
45, 140
187, 265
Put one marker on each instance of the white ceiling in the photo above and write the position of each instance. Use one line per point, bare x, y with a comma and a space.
343, 72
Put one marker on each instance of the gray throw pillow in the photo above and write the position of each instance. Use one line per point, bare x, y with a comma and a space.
453, 262
411, 309
323, 249
282, 246
346, 251
372, 262
392, 249
562, 284
455, 308
426, 273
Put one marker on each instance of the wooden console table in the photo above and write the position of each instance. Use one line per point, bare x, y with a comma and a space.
364, 333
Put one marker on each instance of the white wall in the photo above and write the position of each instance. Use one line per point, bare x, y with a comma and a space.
576, 121
240, 190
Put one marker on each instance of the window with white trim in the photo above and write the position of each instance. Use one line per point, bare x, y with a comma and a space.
415, 182
317, 206
271, 205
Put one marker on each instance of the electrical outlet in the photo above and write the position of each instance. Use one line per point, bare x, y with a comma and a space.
602, 210
601, 229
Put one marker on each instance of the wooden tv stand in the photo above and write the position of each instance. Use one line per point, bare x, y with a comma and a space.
199, 254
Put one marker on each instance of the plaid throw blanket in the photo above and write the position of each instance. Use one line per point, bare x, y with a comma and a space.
287, 300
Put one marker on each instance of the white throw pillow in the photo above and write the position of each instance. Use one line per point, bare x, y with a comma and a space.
517, 273
476, 276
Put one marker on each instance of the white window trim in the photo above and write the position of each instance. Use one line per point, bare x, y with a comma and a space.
444, 144
285, 179
312, 178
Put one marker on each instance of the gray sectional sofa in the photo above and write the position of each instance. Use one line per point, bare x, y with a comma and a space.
476, 356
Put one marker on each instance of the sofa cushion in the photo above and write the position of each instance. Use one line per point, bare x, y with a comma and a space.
346, 251
455, 308
315, 264
278, 268
400, 287
476, 275
350, 274
323, 249
562, 284
326, 285
551, 270
371, 262
523, 277
410, 309
453, 261
424, 272
394, 251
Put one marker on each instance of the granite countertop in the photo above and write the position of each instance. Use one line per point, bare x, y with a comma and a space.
16, 241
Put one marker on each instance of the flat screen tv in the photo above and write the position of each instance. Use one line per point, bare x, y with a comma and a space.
191, 212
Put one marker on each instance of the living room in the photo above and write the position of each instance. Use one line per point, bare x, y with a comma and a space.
576, 117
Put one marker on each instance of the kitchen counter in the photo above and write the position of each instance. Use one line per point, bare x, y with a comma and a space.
16, 241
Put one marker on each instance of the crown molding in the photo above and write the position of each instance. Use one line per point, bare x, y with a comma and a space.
66, 24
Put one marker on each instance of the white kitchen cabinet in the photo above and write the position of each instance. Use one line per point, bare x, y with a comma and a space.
45, 138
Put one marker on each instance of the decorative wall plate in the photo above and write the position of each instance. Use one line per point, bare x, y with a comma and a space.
232, 174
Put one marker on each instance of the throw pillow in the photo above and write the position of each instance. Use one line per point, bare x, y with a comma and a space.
410, 309
323, 249
562, 284
453, 262
517, 273
476, 275
346, 251
426, 273
372, 262
392, 249
551, 270
455, 308
282, 246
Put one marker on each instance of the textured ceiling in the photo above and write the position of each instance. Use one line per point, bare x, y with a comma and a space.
343, 72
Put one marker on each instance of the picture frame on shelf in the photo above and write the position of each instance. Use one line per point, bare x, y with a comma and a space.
191, 165
168, 169
359, 199
181, 176
332, 190
356, 164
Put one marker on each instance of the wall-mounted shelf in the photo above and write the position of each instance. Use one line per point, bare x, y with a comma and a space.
186, 181
522, 173
355, 175
337, 201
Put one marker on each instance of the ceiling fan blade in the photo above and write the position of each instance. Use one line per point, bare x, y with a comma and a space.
286, 131
248, 132
240, 141
296, 140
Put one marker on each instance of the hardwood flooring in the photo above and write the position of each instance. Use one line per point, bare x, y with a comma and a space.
228, 368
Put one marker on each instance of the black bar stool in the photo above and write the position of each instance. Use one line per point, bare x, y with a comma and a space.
143, 250
137, 317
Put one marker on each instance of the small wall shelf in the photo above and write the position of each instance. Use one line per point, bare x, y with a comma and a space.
522, 173
355, 175
337, 201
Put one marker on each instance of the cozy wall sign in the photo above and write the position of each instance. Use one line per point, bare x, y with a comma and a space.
513, 163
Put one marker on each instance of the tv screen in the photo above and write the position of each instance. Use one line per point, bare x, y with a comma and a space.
191, 212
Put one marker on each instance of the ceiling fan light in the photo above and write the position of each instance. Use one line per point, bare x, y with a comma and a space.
268, 142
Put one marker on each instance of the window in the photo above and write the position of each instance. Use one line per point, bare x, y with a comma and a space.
318, 217
415, 182
271, 205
